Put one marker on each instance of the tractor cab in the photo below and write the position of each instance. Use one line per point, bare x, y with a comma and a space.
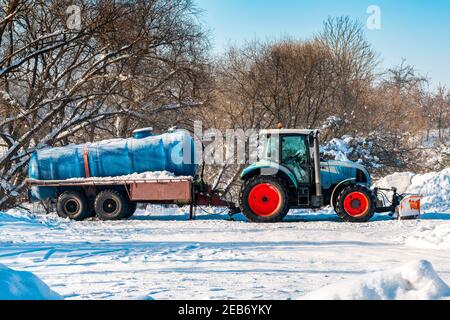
290, 149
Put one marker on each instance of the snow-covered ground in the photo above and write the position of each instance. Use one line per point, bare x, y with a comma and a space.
415, 281
159, 254
167, 257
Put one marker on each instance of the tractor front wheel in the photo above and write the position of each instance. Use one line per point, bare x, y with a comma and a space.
265, 200
356, 204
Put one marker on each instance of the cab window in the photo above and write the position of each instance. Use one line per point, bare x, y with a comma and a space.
272, 148
295, 156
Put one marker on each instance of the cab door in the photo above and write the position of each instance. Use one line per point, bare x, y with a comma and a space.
295, 156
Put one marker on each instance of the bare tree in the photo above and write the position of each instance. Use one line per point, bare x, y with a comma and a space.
353, 62
59, 83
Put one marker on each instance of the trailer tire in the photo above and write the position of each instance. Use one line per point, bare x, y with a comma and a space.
111, 205
356, 204
265, 199
131, 209
91, 203
73, 205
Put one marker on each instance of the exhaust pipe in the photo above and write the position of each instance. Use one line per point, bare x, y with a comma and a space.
317, 165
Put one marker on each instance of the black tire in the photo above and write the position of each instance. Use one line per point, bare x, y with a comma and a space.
111, 205
132, 207
361, 213
73, 205
91, 213
336, 194
335, 203
282, 200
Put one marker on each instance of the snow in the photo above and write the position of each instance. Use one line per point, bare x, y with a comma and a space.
145, 130
339, 149
21, 285
158, 175
435, 187
332, 122
159, 254
349, 147
432, 237
414, 281
210, 258
434, 148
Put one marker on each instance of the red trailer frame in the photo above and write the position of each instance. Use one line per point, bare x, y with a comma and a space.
179, 191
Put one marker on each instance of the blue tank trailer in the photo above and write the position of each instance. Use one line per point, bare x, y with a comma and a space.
91, 179
113, 158
70, 176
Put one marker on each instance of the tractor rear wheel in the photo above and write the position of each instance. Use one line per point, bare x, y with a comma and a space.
356, 204
265, 199
73, 205
111, 205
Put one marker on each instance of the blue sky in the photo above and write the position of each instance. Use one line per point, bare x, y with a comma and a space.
417, 30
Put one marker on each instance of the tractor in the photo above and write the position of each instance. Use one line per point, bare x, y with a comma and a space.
289, 175
292, 175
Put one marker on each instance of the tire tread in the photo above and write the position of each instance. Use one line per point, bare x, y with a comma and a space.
121, 215
85, 213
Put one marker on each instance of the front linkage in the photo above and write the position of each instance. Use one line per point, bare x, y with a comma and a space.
394, 203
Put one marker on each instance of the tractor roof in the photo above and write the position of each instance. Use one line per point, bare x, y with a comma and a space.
289, 131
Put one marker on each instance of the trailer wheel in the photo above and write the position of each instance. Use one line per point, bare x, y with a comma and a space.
356, 204
111, 205
131, 209
265, 199
73, 205
91, 213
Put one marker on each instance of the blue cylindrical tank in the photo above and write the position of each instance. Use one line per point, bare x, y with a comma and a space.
173, 152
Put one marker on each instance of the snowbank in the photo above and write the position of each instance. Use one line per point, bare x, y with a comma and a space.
414, 281
434, 187
21, 219
21, 285
14, 215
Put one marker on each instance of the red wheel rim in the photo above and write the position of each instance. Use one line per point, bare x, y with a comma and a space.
356, 204
264, 200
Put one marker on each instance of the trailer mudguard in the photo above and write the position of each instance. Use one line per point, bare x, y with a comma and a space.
268, 168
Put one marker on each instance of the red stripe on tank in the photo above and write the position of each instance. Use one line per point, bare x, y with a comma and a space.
86, 162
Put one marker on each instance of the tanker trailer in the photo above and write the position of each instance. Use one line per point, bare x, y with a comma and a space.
108, 178
102, 178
